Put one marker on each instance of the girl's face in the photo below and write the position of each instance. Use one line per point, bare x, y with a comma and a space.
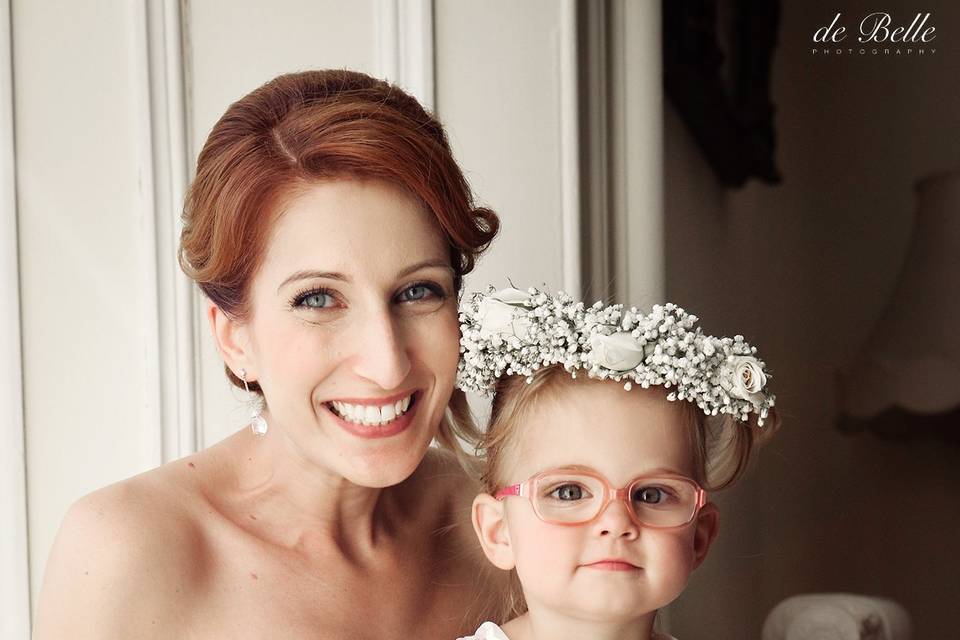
622, 435
354, 323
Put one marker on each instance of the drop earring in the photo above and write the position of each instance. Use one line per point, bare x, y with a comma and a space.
257, 422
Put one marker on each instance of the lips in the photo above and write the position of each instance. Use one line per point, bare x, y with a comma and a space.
374, 431
612, 564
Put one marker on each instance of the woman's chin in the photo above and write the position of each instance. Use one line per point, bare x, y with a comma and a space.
385, 469
385, 462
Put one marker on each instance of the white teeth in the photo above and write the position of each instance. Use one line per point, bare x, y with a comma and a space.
388, 412
370, 415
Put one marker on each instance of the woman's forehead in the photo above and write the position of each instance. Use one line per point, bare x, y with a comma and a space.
351, 226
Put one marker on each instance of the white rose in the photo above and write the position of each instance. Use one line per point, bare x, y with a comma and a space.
511, 296
744, 378
498, 318
617, 352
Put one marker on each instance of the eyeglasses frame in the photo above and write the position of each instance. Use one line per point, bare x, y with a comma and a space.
610, 494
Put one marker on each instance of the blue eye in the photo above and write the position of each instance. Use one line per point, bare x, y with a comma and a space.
568, 492
651, 495
314, 299
421, 291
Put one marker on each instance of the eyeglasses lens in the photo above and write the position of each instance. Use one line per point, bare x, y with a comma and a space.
573, 498
569, 497
663, 502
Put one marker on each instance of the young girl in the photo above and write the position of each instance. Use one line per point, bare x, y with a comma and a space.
594, 473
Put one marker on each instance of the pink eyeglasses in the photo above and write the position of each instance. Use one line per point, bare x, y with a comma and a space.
579, 496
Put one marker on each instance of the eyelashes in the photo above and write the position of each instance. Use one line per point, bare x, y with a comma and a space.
437, 295
438, 292
301, 296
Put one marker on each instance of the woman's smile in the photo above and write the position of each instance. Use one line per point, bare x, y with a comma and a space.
374, 417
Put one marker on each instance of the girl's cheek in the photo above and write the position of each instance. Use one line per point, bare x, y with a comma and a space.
548, 548
675, 550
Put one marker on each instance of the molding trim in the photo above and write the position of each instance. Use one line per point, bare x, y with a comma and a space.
14, 543
405, 44
170, 344
598, 225
570, 150
636, 151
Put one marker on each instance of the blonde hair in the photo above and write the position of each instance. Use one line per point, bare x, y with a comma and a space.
457, 428
721, 446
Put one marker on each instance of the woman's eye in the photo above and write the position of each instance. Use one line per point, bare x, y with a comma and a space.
421, 291
314, 300
417, 292
568, 492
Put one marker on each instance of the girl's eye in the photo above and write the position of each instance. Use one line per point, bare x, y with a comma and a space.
650, 495
568, 492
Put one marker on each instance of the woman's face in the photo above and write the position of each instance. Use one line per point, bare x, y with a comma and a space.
353, 332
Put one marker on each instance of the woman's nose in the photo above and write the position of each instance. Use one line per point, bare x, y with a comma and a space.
615, 521
381, 351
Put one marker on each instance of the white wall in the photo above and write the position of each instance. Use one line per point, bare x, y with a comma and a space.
84, 294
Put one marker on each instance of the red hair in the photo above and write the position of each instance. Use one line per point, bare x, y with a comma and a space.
308, 126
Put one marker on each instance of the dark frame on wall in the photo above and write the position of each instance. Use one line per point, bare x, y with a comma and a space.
717, 77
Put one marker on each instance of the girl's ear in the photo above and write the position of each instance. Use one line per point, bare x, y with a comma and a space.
232, 340
708, 525
490, 524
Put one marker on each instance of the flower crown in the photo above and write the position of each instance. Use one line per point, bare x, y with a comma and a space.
514, 332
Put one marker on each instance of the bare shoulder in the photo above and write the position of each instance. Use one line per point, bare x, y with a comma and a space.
459, 488
456, 488
120, 562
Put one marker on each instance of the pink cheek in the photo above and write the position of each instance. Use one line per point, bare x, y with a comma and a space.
301, 354
673, 551
437, 343
550, 549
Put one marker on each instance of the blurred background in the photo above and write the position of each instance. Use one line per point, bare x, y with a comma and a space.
803, 194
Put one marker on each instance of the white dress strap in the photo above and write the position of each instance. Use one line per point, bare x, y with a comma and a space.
490, 631
487, 631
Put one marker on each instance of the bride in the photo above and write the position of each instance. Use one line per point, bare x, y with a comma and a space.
329, 227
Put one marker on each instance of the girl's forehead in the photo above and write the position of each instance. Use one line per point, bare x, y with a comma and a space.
598, 424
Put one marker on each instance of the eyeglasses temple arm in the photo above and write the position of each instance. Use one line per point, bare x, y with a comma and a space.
513, 490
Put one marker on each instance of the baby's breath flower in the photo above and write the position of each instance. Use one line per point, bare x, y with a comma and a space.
512, 332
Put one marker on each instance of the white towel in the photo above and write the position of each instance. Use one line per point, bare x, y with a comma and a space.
837, 616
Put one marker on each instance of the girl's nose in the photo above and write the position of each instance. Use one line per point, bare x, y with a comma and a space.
381, 351
615, 521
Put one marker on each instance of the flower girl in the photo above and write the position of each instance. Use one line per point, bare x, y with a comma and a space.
606, 427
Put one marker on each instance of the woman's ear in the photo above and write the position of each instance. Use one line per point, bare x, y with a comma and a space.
708, 525
490, 524
232, 340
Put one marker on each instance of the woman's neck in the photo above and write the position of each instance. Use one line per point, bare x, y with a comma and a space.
303, 506
543, 624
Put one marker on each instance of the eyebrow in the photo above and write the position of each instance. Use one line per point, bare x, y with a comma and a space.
309, 274
648, 472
